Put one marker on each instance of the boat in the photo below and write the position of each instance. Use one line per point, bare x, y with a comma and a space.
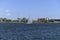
29, 21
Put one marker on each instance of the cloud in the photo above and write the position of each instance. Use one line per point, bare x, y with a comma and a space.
7, 12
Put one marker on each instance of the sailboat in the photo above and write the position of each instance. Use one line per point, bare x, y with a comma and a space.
29, 21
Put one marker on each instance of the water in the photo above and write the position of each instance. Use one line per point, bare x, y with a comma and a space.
22, 31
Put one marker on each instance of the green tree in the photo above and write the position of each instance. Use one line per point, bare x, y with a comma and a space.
24, 20
51, 20
8, 21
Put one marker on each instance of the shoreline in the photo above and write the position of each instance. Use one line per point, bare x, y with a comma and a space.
27, 23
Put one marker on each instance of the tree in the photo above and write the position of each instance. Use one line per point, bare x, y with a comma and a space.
51, 20
24, 20
8, 21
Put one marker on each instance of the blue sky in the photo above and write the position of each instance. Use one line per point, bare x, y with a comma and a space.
29, 8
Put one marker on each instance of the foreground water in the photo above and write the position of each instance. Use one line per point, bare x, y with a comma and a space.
21, 31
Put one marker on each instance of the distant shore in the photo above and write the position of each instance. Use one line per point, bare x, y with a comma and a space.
28, 21
25, 23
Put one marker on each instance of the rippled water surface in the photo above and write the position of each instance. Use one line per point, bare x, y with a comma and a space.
21, 31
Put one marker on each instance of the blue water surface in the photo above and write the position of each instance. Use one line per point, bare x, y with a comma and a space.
22, 31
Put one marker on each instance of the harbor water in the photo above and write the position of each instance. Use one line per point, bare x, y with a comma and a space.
23, 31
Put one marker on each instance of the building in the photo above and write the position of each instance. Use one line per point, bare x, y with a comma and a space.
1, 19
19, 19
42, 20
56, 20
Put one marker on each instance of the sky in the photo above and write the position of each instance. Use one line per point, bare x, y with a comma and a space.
33, 9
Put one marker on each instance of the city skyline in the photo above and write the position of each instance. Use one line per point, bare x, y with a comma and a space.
34, 9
